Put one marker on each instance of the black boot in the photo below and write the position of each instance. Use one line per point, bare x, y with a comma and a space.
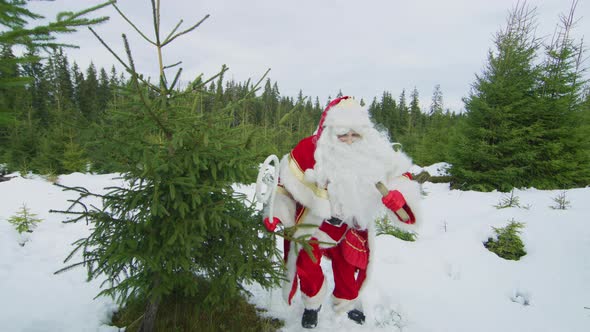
357, 316
310, 318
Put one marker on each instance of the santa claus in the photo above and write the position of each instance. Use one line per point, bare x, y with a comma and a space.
330, 180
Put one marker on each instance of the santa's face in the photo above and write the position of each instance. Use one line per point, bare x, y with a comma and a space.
349, 162
350, 137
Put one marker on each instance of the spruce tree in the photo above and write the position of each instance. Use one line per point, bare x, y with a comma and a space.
560, 139
434, 141
38, 89
61, 87
177, 224
403, 114
524, 125
415, 117
436, 106
385, 112
89, 98
413, 127
104, 94
10, 92
270, 103
491, 150
29, 120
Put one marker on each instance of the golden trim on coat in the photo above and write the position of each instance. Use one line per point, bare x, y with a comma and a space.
300, 175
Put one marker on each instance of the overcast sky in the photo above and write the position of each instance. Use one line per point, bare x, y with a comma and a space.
320, 46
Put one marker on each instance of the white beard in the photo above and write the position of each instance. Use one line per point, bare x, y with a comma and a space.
350, 172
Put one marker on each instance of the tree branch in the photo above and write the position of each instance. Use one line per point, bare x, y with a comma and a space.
133, 25
125, 65
141, 95
167, 41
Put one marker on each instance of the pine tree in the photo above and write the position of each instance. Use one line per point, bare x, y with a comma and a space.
560, 139
77, 82
436, 106
414, 120
11, 91
61, 87
74, 158
30, 120
270, 102
316, 104
178, 221
491, 150
89, 98
585, 114
434, 141
50, 150
38, 89
104, 94
403, 114
413, 125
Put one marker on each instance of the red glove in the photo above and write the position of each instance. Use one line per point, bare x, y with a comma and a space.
271, 226
396, 202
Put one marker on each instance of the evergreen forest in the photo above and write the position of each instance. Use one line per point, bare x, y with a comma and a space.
525, 124
54, 123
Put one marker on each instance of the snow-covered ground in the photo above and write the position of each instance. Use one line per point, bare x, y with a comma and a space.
445, 281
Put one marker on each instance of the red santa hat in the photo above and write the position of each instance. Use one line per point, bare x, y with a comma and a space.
344, 112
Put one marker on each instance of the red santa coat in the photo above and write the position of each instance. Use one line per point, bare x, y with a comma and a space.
300, 200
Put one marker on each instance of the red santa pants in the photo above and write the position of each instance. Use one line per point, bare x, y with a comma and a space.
348, 278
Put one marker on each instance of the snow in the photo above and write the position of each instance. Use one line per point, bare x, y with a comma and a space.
438, 169
445, 281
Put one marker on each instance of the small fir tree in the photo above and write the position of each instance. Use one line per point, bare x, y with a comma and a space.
74, 159
508, 201
507, 244
385, 226
561, 202
24, 220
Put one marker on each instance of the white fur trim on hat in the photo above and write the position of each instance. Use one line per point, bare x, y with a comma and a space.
348, 114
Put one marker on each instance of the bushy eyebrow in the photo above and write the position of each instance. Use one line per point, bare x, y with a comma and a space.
354, 133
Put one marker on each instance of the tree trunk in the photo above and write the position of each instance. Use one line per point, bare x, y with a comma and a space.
148, 324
